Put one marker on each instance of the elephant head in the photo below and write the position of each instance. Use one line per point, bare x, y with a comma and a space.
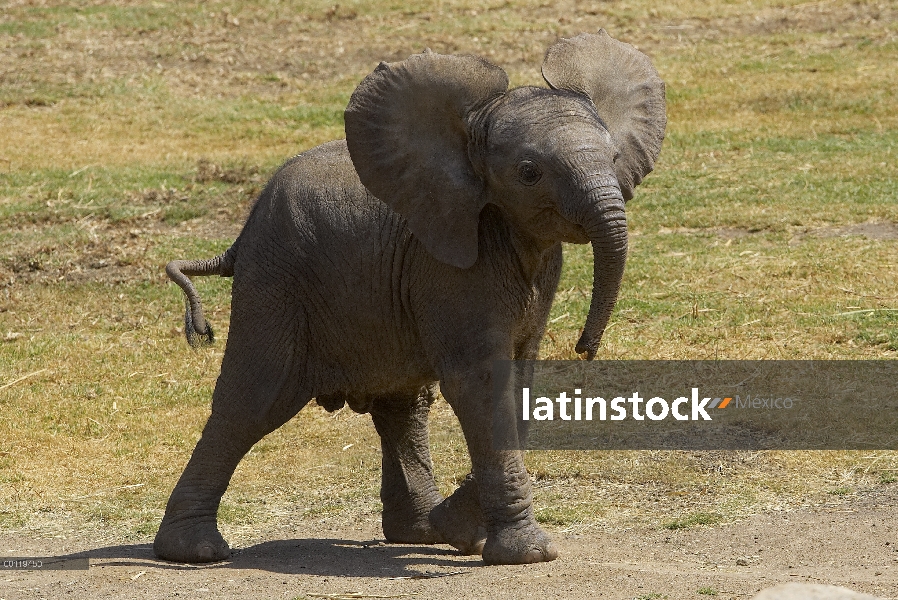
438, 137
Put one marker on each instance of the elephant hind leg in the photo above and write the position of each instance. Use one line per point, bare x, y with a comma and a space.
260, 388
408, 491
189, 530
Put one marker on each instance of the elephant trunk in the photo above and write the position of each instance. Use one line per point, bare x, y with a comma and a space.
605, 223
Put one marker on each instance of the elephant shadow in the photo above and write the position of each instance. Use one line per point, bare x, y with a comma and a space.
320, 557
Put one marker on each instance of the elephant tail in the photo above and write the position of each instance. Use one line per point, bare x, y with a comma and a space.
197, 330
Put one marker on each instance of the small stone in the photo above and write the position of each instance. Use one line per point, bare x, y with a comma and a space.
742, 562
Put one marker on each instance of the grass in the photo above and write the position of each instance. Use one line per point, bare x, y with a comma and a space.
701, 518
136, 133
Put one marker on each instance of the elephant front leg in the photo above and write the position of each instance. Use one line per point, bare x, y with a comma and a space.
512, 534
408, 491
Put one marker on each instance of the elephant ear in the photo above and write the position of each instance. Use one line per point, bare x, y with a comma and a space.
407, 129
626, 91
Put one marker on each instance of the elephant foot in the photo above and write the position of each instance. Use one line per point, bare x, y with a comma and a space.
190, 541
460, 520
407, 523
403, 531
519, 544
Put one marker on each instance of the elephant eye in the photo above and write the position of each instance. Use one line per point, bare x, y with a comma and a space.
528, 172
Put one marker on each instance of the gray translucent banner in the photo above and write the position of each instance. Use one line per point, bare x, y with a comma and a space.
44, 563
695, 405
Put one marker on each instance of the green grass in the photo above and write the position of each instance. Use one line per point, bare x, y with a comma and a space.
135, 133
692, 520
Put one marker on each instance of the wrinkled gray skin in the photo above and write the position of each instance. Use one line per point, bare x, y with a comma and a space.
421, 249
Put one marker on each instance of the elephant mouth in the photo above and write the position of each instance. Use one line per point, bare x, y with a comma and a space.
560, 228
576, 234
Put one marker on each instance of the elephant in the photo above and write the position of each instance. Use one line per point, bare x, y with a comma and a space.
411, 255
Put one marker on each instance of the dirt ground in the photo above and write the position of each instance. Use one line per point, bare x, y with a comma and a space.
854, 545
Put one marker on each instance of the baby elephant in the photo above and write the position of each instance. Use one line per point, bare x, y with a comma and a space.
419, 250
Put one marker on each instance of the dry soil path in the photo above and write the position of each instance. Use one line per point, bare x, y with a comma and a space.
855, 545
